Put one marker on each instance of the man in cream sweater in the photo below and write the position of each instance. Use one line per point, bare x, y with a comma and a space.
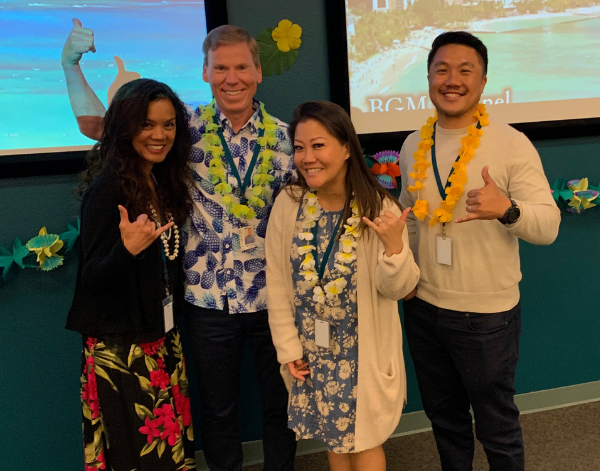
464, 323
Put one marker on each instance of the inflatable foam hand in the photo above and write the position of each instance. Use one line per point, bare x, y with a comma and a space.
123, 77
80, 41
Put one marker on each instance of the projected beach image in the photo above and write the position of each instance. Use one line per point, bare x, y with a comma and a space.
155, 39
540, 51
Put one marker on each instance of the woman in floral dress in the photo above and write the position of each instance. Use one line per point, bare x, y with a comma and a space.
134, 395
338, 261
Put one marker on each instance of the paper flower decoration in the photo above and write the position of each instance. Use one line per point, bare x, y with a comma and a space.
582, 196
386, 168
287, 36
279, 47
45, 246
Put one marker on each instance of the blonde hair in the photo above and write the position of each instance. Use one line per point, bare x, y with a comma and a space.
228, 35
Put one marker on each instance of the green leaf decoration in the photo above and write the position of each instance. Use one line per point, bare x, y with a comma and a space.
7, 259
71, 235
148, 447
272, 60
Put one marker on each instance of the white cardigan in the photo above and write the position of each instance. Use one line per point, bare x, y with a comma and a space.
382, 281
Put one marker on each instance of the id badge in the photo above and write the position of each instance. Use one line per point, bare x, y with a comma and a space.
247, 238
444, 250
322, 334
168, 313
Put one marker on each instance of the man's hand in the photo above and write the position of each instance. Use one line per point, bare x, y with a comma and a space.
139, 235
486, 203
79, 42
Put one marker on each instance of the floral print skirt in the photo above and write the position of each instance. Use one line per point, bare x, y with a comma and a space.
135, 403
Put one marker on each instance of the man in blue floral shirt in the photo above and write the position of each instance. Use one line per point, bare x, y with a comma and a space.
241, 158
237, 147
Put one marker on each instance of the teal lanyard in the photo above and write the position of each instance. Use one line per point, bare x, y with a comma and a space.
324, 260
442, 188
233, 167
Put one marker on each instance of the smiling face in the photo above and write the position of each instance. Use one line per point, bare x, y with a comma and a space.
156, 138
319, 157
456, 82
233, 79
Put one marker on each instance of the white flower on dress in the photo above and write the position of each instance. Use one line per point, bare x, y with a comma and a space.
342, 423
345, 369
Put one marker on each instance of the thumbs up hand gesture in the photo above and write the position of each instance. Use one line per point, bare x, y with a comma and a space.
139, 235
486, 203
80, 41
123, 76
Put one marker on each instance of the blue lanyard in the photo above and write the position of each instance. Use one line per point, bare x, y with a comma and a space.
442, 188
232, 166
325, 259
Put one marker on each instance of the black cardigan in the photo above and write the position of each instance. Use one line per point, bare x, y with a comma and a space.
116, 292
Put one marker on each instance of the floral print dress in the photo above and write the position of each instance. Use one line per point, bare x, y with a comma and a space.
324, 405
135, 404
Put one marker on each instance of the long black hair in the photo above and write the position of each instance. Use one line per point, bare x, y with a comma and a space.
123, 121
360, 182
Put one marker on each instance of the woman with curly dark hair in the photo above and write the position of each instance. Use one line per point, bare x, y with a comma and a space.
134, 395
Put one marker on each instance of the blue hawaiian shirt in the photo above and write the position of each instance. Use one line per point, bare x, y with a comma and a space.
216, 268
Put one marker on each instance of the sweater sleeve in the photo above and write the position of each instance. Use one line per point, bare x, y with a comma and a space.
407, 199
107, 265
528, 186
281, 312
398, 275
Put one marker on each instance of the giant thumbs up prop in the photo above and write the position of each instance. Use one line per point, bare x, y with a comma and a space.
123, 77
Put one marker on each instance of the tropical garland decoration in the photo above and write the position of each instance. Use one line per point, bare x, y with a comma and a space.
458, 178
577, 194
279, 47
260, 192
45, 246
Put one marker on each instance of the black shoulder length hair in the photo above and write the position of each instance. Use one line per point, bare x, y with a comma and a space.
360, 182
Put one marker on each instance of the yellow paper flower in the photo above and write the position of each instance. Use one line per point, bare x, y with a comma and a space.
287, 36
420, 209
45, 247
417, 186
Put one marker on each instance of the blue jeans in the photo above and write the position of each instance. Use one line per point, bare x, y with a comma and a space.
217, 339
466, 359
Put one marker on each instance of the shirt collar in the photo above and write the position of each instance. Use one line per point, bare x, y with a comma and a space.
251, 124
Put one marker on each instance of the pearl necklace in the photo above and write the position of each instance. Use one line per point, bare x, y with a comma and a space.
164, 237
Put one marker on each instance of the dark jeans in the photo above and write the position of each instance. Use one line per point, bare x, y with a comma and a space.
217, 339
464, 359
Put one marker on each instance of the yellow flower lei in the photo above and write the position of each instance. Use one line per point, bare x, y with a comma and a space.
260, 190
458, 178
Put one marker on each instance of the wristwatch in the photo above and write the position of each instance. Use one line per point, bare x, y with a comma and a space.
512, 214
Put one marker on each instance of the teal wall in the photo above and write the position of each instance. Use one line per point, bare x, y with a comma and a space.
39, 360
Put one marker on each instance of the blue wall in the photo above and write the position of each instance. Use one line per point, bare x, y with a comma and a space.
39, 360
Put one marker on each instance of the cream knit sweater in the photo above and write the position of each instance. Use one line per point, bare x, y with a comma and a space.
382, 281
485, 272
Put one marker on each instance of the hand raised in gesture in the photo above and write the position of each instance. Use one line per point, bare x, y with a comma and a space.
139, 235
389, 228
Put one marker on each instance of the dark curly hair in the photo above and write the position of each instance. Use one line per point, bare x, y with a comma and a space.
369, 194
123, 121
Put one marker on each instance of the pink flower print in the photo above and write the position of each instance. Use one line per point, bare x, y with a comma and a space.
152, 348
172, 431
182, 405
160, 361
160, 379
150, 429
91, 343
165, 413
100, 459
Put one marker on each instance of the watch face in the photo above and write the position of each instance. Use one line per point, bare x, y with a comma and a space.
513, 214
